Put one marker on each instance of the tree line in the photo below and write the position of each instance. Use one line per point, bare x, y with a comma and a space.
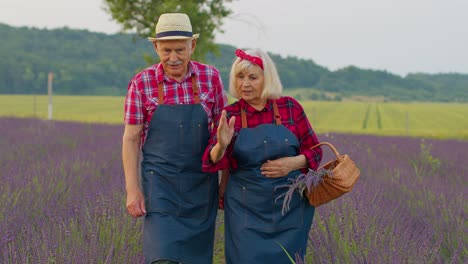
90, 63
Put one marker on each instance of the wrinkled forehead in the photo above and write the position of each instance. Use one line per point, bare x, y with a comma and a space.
173, 43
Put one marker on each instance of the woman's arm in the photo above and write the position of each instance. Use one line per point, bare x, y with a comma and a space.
283, 166
216, 153
306, 158
308, 139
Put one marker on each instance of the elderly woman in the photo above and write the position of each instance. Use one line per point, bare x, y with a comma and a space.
264, 139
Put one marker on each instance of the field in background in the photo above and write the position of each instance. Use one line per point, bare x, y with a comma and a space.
91, 109
435, 120
63, 199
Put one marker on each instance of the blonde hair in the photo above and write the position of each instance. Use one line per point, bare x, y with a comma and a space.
272, 87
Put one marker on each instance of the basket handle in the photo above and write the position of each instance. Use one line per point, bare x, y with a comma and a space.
337, 154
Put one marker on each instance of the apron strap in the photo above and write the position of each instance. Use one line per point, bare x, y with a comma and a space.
275, 110
160, 94
277, 115
196, 92
244, 118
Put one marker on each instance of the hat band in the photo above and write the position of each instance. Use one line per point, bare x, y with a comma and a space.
174, 33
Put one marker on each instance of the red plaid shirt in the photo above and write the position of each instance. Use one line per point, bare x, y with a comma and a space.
293, 117
142, 96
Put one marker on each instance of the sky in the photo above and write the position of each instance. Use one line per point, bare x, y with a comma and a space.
399, 36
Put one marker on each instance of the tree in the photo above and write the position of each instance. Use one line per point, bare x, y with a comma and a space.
142, 15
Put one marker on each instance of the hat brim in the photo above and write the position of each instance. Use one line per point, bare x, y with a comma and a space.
195, 36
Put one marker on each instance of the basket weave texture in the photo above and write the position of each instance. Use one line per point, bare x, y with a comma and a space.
344, 174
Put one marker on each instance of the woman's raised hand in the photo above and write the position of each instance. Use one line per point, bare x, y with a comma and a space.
225, 130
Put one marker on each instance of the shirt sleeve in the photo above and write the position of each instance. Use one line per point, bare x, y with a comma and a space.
133, 106
307, 138
221, 100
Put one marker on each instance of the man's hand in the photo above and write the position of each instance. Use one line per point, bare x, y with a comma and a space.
136, 203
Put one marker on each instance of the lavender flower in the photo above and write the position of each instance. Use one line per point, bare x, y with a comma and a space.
303, 182
62, 192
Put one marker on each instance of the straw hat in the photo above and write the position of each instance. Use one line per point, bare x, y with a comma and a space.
174, 26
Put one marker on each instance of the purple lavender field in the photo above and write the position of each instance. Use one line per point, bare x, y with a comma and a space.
62, 199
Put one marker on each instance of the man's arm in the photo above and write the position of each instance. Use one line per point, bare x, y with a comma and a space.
130, 153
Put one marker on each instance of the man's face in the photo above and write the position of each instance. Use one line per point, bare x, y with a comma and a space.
175, 56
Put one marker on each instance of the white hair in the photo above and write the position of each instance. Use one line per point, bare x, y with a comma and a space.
272, 87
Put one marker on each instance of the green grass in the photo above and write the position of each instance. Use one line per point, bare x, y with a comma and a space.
100, 109
435, 120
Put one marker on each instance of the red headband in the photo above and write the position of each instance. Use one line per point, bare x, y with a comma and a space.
253, 59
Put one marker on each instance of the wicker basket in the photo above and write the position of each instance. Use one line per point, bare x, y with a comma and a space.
342, 179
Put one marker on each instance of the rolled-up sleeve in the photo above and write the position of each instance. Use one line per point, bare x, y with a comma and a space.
133, 106
221, 100
307, 139
207, 166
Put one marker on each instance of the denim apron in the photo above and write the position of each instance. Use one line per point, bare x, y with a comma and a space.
180, 200
254, 223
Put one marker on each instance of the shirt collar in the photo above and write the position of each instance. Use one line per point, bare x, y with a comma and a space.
250, 110
161, 77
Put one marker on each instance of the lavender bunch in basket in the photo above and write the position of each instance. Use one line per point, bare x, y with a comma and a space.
303, 182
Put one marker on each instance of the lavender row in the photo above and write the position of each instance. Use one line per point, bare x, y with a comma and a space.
62, 196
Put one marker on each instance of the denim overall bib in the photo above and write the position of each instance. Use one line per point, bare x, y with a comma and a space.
254, 224
180, 200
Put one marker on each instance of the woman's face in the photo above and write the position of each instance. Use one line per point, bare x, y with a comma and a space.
249, 85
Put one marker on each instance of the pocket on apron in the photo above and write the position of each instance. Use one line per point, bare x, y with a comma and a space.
179, 195
192, 141
192, 137
160, 193
274, 149
263, 213
294, 216
197, 196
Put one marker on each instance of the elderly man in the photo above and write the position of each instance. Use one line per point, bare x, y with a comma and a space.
169, 112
